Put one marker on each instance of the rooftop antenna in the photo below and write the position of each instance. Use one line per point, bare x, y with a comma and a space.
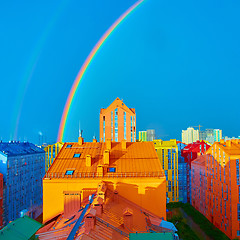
79, 131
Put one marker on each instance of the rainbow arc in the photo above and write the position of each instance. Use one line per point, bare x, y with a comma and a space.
86, 65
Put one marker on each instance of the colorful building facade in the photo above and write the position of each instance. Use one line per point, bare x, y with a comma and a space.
131, 169
142, 136
22, 166
218, 186
148, 135
190, 153
182, 174
105, 215
168, 155
51, 151
190, 135
118, 122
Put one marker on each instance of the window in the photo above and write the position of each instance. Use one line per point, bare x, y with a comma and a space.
238, 206
116, 125
112, 125
77, 155
125, 127
111, 169
69, 172
238, 232
104, 128
69, 146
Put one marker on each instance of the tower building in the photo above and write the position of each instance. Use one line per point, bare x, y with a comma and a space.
118, 122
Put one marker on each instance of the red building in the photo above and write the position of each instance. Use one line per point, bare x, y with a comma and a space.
1, 200
190, 153
216, 186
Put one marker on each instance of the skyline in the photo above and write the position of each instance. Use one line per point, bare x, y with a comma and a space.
157, 42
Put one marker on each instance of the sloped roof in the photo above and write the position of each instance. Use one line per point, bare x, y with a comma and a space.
19, 148
20, 229
139, 157
191, 146
108, 225
118, 103
200, 160
231, 149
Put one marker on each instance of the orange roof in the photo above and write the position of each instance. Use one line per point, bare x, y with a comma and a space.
138, 158
108, 224
231, 147
118, 103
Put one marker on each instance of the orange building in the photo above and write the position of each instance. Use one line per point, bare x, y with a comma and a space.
105, 215
131, 169
118, 122
221, 186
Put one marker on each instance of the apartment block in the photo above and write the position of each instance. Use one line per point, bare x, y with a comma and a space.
182, 174
190, 135
216, 186
51, 151
190, 153
22, 166
130, 168
118, 122
167, 152
148, 135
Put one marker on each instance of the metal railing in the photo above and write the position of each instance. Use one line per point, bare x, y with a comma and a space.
112, 227
105, 175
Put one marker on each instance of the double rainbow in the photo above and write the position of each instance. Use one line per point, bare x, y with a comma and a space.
85, 66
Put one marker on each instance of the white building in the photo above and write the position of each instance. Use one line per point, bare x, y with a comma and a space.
190, 135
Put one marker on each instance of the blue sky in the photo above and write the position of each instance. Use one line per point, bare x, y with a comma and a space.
176, 62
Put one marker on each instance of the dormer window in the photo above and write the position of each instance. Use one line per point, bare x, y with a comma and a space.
69, 172
69, 146
111, 169
77, 155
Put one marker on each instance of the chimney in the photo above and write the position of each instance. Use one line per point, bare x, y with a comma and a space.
94, 140
228, 143
222, 141
80, 141
124, 145
108, 144
106, 157
100, 171
128, 218
88, 161
99, 209
90, 220
115, 196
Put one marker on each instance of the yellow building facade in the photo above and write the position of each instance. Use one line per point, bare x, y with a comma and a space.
51, 151
167, 152
131, 169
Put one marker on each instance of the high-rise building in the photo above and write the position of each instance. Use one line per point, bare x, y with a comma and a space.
22, 166
190, 153
216, 186
132, 170
182, 174
148, 135
142, 136
118, 122
190, 135
51, 152
211, 135
168, 155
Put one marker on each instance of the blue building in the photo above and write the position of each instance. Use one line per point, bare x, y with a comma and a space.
22, 166
182, 174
